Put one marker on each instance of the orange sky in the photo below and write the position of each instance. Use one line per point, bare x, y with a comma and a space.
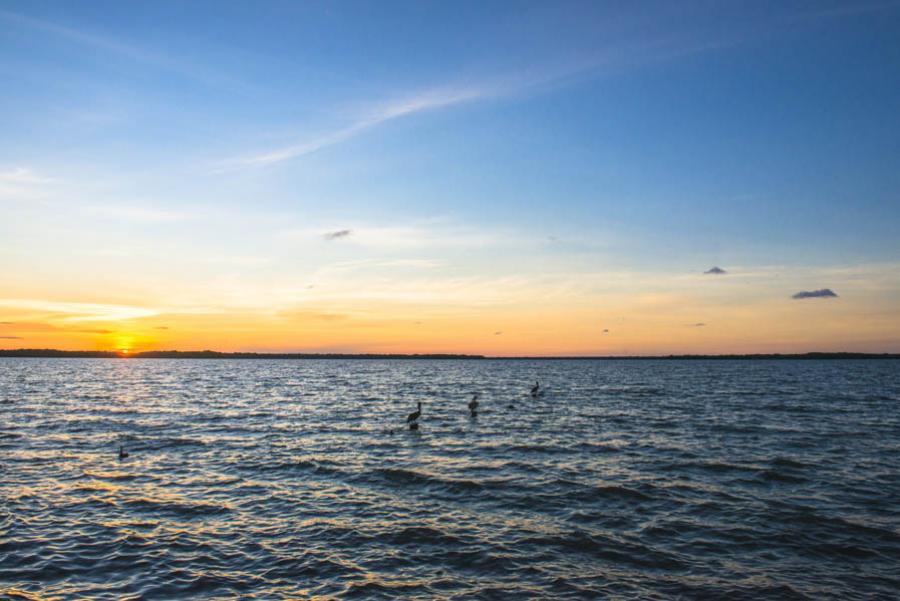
745, 311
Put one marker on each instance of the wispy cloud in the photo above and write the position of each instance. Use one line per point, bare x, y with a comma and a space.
715, 271
516, 81
823, 293
69, 311
108, 44
370, 264
135, 213
368, 119
38, 326
21, 183
76, 36
22, 175
302, 314
699, 324
519, 80
11, 337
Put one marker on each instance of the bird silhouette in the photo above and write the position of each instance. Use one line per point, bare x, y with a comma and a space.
413, 418
473, 406
122, 453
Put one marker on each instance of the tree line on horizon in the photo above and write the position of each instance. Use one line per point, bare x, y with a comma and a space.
207, 354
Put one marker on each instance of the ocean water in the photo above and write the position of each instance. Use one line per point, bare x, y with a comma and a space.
281, 480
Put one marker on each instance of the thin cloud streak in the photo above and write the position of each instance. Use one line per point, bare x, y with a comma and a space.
127, 51
74, 35
530, 80
22, 183
81, 311
135, 213
382, 114
22, 176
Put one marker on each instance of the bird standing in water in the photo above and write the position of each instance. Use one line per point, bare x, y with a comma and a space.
122, 453
473, 406
413, 418
535, 389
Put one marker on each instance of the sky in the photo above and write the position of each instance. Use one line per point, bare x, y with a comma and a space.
500, 178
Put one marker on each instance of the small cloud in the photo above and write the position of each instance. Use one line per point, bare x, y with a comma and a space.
823, 293
699, 324
338, 234
605, 330
11, 337
497, 333
161, 328
715, 271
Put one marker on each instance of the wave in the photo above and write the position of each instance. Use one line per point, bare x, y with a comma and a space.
404, 477
607, 549
183, 509
420, 535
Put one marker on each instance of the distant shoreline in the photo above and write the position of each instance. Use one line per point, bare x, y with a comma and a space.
54, 353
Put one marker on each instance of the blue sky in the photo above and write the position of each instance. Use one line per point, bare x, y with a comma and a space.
494, 140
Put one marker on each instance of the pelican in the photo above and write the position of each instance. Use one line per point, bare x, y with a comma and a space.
535, 389
122, 453
473, 405
413, 418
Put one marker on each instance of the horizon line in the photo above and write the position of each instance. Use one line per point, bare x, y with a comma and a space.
210, 354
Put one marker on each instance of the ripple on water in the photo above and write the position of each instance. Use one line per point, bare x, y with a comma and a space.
280, 480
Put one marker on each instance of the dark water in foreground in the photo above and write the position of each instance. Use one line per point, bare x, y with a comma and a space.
276, 479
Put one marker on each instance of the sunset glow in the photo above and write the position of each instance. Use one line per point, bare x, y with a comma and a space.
561, 183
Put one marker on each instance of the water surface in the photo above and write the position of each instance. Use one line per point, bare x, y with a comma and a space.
280, 479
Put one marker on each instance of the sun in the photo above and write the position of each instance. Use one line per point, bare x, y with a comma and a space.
124, 344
